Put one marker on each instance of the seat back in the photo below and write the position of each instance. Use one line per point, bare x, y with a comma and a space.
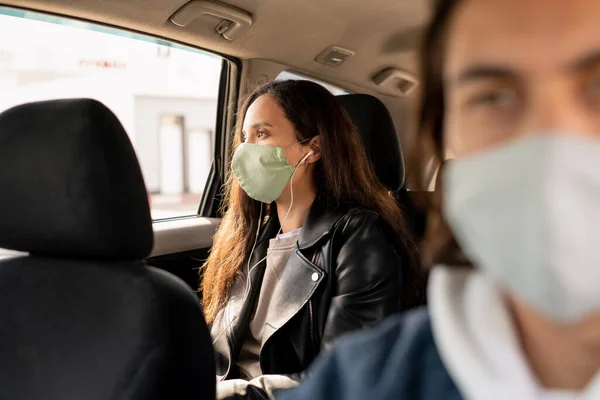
378, 133
382, 144
81, 315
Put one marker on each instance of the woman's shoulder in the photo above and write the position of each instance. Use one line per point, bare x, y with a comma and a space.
352, 216
359, 226
326, 218
397, 359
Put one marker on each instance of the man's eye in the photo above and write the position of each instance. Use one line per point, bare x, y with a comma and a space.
498, 99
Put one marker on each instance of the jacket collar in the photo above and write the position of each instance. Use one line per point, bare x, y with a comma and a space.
319, 222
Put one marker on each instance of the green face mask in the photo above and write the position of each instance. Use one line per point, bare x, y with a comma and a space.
262, 171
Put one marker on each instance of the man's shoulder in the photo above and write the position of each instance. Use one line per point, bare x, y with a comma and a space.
409, 328
399, 338
398, 359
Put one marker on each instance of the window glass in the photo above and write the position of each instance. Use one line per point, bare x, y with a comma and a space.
164, 94
287, 75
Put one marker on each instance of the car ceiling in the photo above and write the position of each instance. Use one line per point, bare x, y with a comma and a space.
383, 33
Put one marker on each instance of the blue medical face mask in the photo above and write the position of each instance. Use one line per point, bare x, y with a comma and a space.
528, 215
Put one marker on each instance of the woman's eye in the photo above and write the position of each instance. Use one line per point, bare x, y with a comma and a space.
260, 134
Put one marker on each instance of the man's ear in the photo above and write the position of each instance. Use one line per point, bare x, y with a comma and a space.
315, 146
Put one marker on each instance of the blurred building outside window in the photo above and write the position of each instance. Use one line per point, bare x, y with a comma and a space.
165, 95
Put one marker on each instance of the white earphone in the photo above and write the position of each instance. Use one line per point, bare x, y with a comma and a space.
250, 269
303, 161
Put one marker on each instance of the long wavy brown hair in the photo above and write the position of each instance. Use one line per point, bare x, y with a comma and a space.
343, 175
439, 245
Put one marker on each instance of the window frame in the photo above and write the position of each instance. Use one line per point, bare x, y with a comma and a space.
227, 102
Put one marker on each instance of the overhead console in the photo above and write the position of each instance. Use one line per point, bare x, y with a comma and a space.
234, 21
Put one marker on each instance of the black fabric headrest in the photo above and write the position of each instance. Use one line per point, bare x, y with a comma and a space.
70, 183
376, 128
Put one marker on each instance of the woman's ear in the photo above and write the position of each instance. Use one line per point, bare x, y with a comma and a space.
315, 146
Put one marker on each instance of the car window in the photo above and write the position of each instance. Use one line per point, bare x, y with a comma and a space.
164, 94
287, 75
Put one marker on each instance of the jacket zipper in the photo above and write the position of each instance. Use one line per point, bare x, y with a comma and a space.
229, 352
311, 324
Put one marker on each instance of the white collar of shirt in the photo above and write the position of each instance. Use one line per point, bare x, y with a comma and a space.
295, 232
477, 341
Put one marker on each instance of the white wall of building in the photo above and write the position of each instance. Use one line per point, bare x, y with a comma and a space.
198, 115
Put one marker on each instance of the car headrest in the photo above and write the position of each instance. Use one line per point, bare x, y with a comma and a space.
376, 128
71, 183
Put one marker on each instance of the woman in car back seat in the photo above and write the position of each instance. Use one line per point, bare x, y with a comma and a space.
311, 246
513, 88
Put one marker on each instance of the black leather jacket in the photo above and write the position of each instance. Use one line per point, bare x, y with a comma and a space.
343, 275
